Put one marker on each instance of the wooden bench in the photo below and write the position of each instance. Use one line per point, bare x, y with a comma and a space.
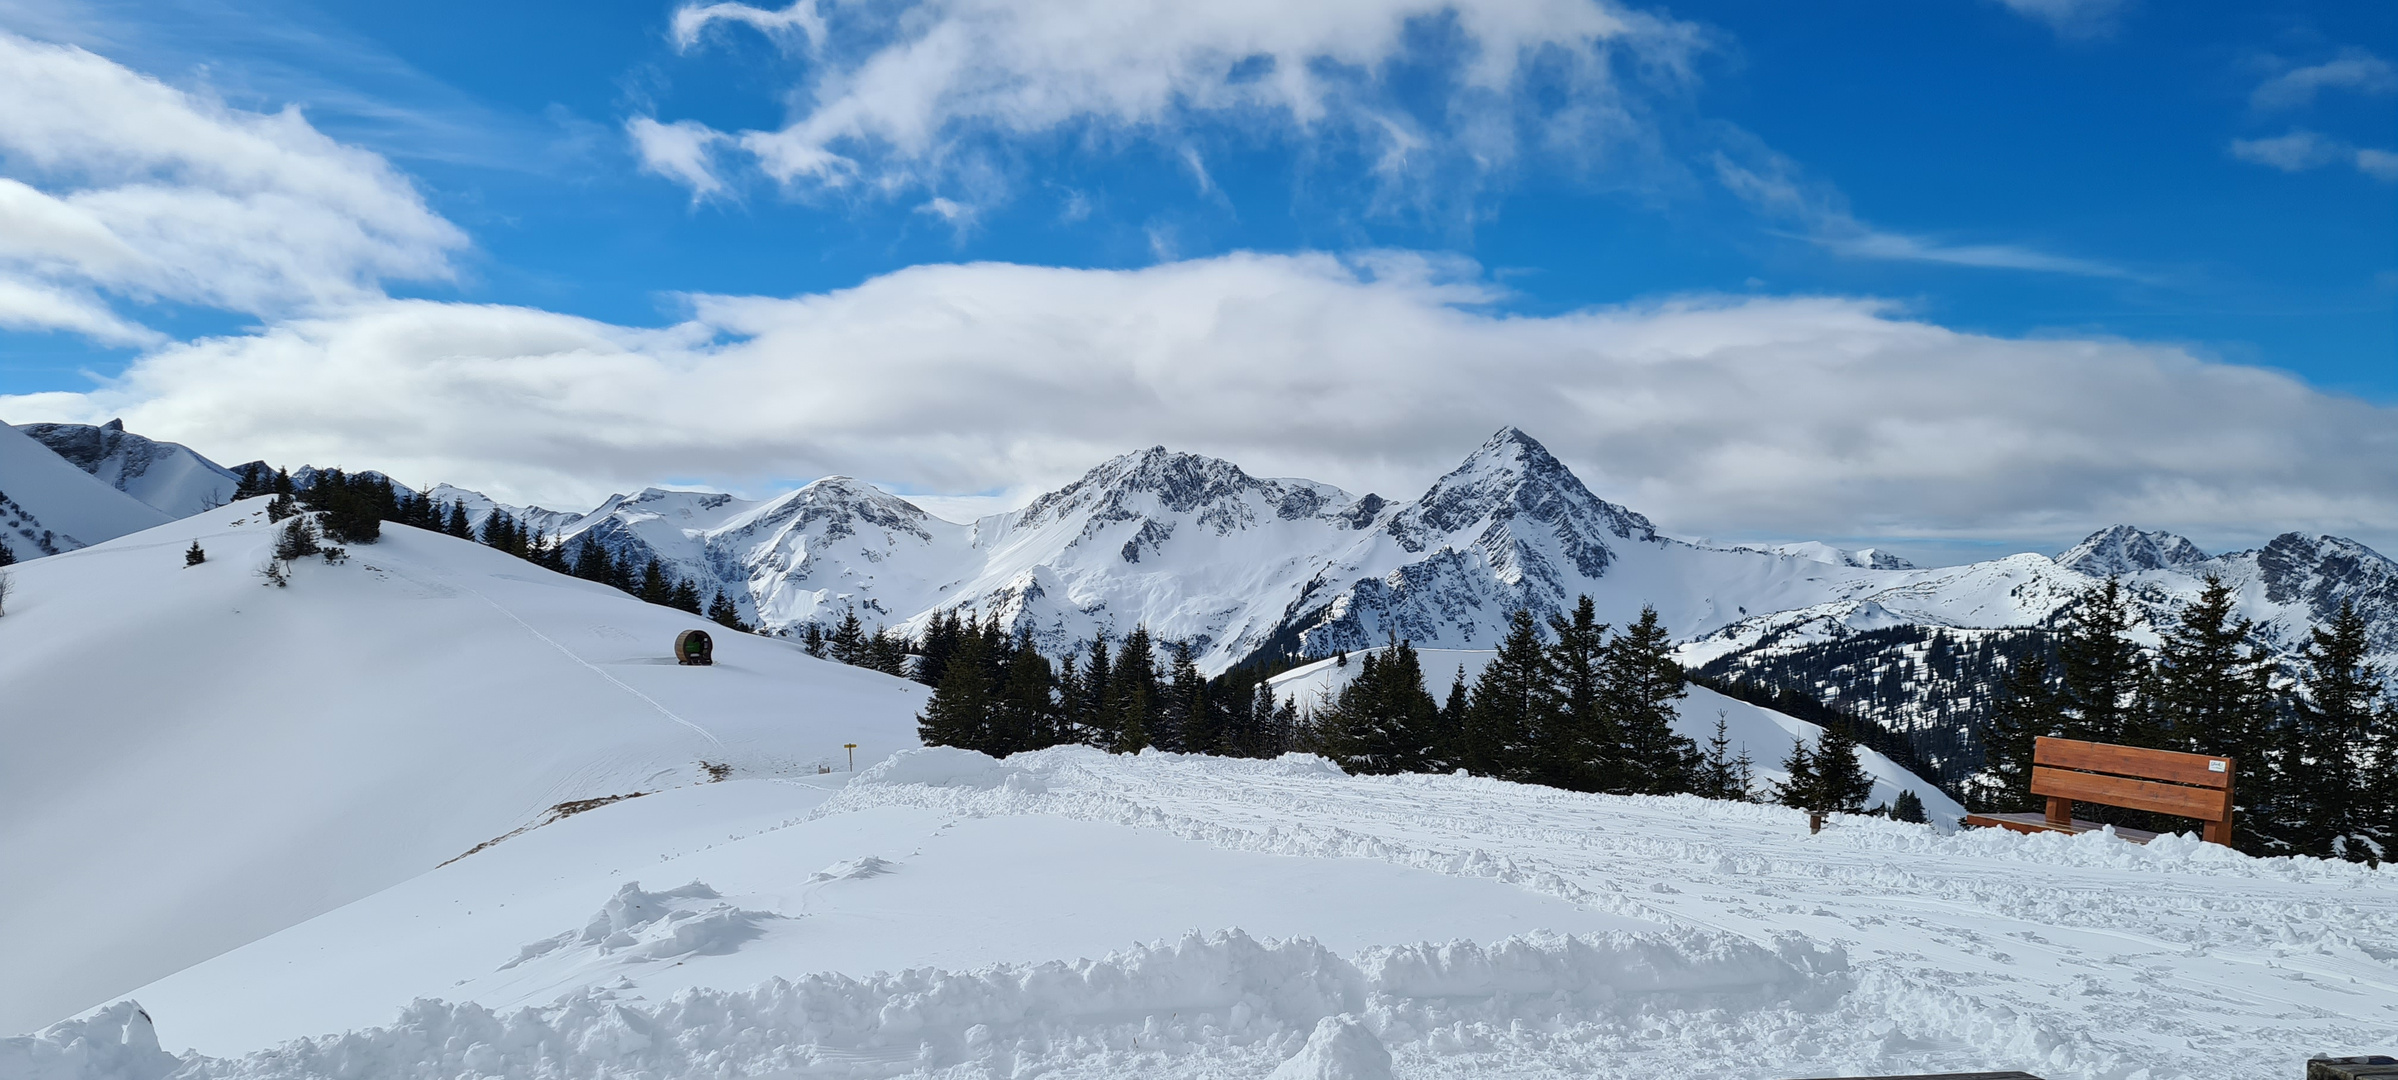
2161, 781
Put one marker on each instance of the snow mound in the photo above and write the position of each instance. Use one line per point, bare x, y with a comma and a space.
949, 767
1223, 996
863, 867
1339, 1049
114, 1043
636, 926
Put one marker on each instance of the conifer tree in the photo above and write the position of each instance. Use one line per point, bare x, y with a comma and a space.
1644, 681
590, 561
458, 524
2101, 665
811, 640
1802, 788
941, 636
2332, 811
2212, 694
959, 712
1720, 774
684, 596
297, 540
657, 586
1515, 697
1383, 721
1908, 807
2027, 708
1136, 693
723, 611
1584, 750
1184, 721
1841, 784
887, 652
848, 644
1028, 713
193, 555
1095, 713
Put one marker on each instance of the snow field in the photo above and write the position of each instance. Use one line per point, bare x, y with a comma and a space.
1742, 946
196, 760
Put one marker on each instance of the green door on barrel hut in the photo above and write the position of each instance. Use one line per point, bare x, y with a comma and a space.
693, 647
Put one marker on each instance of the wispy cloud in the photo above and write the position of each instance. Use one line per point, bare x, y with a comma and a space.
1774, 186
894, 103
119, 184
2354, 69
2072, 18
2302, 150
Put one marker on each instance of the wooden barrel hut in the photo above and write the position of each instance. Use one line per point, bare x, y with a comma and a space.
692, 647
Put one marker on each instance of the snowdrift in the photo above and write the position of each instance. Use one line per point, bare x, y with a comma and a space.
191, 759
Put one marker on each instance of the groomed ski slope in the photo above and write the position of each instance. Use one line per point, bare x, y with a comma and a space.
194, 759
948, 915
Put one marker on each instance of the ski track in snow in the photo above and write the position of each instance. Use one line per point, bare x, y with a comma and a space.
1873, 948
593, 668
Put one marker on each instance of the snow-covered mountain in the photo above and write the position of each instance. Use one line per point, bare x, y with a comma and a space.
165, 475
191, 758
1199, 550
47, 505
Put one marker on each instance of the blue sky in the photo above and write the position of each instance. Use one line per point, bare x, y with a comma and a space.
2211, 182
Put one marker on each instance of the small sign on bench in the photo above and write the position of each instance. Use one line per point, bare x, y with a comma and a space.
2161, 781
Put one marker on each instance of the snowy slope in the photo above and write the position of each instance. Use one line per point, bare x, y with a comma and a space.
1073, 914
164, 475
193, 759
1763, 734
47, 505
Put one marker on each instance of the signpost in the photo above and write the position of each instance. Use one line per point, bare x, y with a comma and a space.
853, 755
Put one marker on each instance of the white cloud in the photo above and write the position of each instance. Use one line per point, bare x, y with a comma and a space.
2301, 150
893, 99
2071, 18
30, 306
682, 151
117, 183
2354, 69
1772, 185
1805, 416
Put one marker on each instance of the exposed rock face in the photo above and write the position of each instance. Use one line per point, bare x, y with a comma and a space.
164, 475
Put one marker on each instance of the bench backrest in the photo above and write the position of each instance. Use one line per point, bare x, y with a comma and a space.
2161, 781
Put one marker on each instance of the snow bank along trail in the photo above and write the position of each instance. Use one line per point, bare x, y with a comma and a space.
1874, 947
2071, 956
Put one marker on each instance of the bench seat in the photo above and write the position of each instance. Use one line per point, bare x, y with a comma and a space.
2036, 822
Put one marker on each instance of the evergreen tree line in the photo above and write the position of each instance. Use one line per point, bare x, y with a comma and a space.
996, 693
2316, 755
1921, 695
1584, 707
352, 507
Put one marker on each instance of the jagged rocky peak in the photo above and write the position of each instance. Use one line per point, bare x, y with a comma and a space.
1132, 485
83, 444
840, 504
2126, 549
1512, 475
2325, 571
